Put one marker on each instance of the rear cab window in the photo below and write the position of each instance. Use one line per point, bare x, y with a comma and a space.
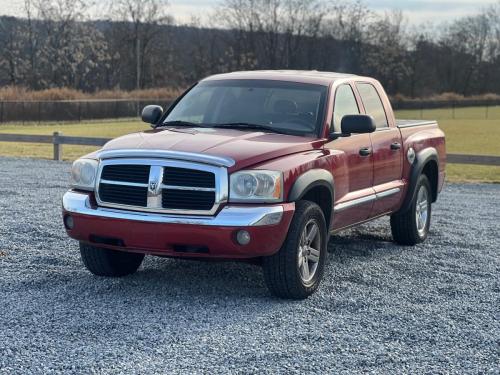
373, 104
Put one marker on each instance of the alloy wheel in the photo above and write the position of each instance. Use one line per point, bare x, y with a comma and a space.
422, 210
309, 251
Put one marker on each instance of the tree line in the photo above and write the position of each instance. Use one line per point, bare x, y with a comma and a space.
135, 44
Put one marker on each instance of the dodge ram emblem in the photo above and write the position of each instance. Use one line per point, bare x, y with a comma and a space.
153, 185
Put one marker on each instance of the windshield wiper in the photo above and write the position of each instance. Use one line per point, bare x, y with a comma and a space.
181, 123
233, 125
246, 125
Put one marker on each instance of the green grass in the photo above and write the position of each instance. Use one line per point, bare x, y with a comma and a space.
92, 129
469, 133
466, 113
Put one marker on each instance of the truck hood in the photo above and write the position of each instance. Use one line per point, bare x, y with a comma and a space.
244, 147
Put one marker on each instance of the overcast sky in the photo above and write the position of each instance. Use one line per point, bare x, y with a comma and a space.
416, 11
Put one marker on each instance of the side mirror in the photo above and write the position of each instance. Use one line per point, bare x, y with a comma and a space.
357, 124
151, 114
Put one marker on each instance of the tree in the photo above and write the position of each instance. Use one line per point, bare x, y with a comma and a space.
349, 23
270, 33
12, 59
387, 50
139, 27
466, 40
63, 48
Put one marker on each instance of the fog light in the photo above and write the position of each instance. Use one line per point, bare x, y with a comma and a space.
243, 237
68, 222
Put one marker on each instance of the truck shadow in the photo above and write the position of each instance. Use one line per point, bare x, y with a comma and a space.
187, 281
369, 240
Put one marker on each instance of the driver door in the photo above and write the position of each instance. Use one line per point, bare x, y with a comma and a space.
354, 175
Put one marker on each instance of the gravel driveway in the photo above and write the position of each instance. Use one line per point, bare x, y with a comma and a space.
382, 308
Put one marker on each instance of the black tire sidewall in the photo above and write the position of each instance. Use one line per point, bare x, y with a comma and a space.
107, 262
312, 213
287, 256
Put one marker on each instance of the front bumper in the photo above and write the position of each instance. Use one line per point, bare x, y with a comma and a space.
176, 235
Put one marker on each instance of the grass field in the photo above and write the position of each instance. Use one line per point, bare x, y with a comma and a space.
469, 133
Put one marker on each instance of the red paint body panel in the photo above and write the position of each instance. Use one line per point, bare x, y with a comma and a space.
420, 138
387, 163
355, 177
161, 239
246, 148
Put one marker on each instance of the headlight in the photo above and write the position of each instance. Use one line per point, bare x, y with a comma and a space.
83, 174
256, 186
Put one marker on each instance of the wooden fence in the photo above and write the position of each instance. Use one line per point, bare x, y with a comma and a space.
87, 110
72, 110
58, 140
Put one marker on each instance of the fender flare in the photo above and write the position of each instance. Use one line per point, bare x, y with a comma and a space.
310, 180
421, 160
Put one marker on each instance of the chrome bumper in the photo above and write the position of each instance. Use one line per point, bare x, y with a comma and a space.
229, 216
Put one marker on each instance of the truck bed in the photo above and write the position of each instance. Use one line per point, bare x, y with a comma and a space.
411, 123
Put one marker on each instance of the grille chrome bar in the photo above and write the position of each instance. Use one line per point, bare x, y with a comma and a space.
167, 154
163, 186
192, 188
156, 189
109, 182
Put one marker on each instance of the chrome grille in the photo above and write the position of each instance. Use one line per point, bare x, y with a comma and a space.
123, 194
163, 186
188, 177
193, 200
126, 173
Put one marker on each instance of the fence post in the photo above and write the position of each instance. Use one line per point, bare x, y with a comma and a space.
1, 111
39, 112
57, 146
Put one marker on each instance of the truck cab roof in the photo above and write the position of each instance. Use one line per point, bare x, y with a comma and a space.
303, 76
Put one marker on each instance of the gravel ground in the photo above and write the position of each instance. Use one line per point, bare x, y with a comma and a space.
382, 308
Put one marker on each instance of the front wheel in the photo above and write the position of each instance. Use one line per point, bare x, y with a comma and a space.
111, 263
296, 270
412, 227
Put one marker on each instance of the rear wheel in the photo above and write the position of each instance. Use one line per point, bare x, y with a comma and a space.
106, 262
296, 270
412, 227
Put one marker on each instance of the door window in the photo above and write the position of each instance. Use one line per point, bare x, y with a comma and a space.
373, 104
345, 104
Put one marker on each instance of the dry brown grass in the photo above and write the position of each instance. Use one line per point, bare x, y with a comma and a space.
16, 93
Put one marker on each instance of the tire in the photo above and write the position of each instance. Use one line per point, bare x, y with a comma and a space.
405, 226
284, 272
111, 263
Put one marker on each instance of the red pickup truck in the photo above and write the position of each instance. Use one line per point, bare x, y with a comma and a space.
260, 166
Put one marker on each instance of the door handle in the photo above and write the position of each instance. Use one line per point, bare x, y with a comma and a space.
395, 146
365, 151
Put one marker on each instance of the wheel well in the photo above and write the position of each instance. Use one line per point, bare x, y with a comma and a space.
323, 198
432, 173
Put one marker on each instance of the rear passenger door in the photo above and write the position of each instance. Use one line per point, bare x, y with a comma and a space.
387, 151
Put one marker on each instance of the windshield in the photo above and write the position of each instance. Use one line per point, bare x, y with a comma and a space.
285, 107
